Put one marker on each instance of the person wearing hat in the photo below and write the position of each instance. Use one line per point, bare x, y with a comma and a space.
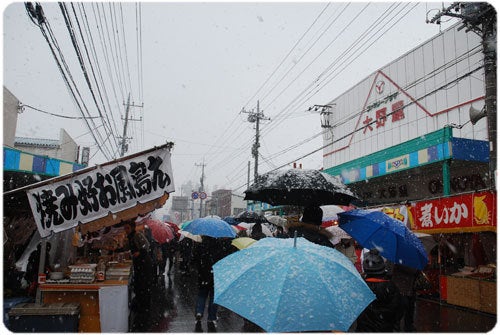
384, 312
310, 227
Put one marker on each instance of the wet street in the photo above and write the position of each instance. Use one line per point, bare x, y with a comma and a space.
174, 312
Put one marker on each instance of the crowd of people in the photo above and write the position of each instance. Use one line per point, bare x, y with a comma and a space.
393, 285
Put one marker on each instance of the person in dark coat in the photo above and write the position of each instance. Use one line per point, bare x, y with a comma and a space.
280, 233
310, 227
31, 274
169, 250
382, 314
206, 254
154, 252
142, 278
404, 278
257, 233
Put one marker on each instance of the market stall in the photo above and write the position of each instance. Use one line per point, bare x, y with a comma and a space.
93, 203
476, 290
464, 264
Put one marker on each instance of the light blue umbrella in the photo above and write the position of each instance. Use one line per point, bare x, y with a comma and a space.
284, 287
210, 226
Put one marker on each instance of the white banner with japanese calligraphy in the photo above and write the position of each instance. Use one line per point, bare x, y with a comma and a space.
109, 188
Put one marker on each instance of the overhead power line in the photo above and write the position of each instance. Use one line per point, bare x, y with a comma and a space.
22, 106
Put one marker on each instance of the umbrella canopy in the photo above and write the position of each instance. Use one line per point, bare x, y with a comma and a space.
330, 217
210, 226
287, 288
374, 229
196, 238
161, 232
175, 228
243, 242
299, 187
428, 241
185, 224
250, 217
337, 233
277, 220
231, 220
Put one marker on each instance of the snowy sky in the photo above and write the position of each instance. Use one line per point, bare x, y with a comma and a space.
202, 63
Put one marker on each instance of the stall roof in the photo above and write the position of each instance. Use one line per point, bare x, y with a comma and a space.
141, 191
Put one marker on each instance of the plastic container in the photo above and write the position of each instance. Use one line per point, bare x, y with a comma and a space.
49, 318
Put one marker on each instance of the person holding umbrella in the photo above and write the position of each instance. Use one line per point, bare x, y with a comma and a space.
206, 254
310, 227
384, 313
143, 275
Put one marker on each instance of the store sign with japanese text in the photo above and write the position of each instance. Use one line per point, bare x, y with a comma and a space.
112, 187
472, 212
379, 111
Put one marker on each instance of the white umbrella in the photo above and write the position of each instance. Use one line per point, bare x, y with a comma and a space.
277, 220
331, 210
338, 234
196, 238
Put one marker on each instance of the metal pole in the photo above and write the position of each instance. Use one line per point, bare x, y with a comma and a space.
41, 269
202, 187
489, 49
257, 145
124, 138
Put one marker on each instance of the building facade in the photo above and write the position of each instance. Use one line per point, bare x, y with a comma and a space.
411, 139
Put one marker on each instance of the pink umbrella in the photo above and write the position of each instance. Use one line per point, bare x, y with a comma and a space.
161, 232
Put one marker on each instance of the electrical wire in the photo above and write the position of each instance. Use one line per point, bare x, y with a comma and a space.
22, 106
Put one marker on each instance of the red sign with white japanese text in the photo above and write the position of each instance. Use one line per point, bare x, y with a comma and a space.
472, 212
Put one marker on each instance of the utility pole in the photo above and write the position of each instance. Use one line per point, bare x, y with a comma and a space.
480, 17
124, 138
256, 117
201, 183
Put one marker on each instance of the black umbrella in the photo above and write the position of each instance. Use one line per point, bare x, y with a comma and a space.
299, 187
250, 217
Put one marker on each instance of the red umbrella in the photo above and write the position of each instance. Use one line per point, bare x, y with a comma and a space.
161, 232
175, 228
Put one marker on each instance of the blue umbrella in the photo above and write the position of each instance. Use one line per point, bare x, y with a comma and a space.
209, 226
231, 220
374, 229
284, 287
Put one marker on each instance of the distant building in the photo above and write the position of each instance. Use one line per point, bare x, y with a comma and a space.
224, 203
65, 148
10, 111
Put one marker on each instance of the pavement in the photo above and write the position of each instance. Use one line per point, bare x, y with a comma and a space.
174, 305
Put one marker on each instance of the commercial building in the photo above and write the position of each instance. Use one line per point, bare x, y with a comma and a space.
412, 137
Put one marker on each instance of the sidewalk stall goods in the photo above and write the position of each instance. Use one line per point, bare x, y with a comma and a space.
465, 228
93, 292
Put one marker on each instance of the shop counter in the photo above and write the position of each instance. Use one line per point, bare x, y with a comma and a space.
104, 305
472, 292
